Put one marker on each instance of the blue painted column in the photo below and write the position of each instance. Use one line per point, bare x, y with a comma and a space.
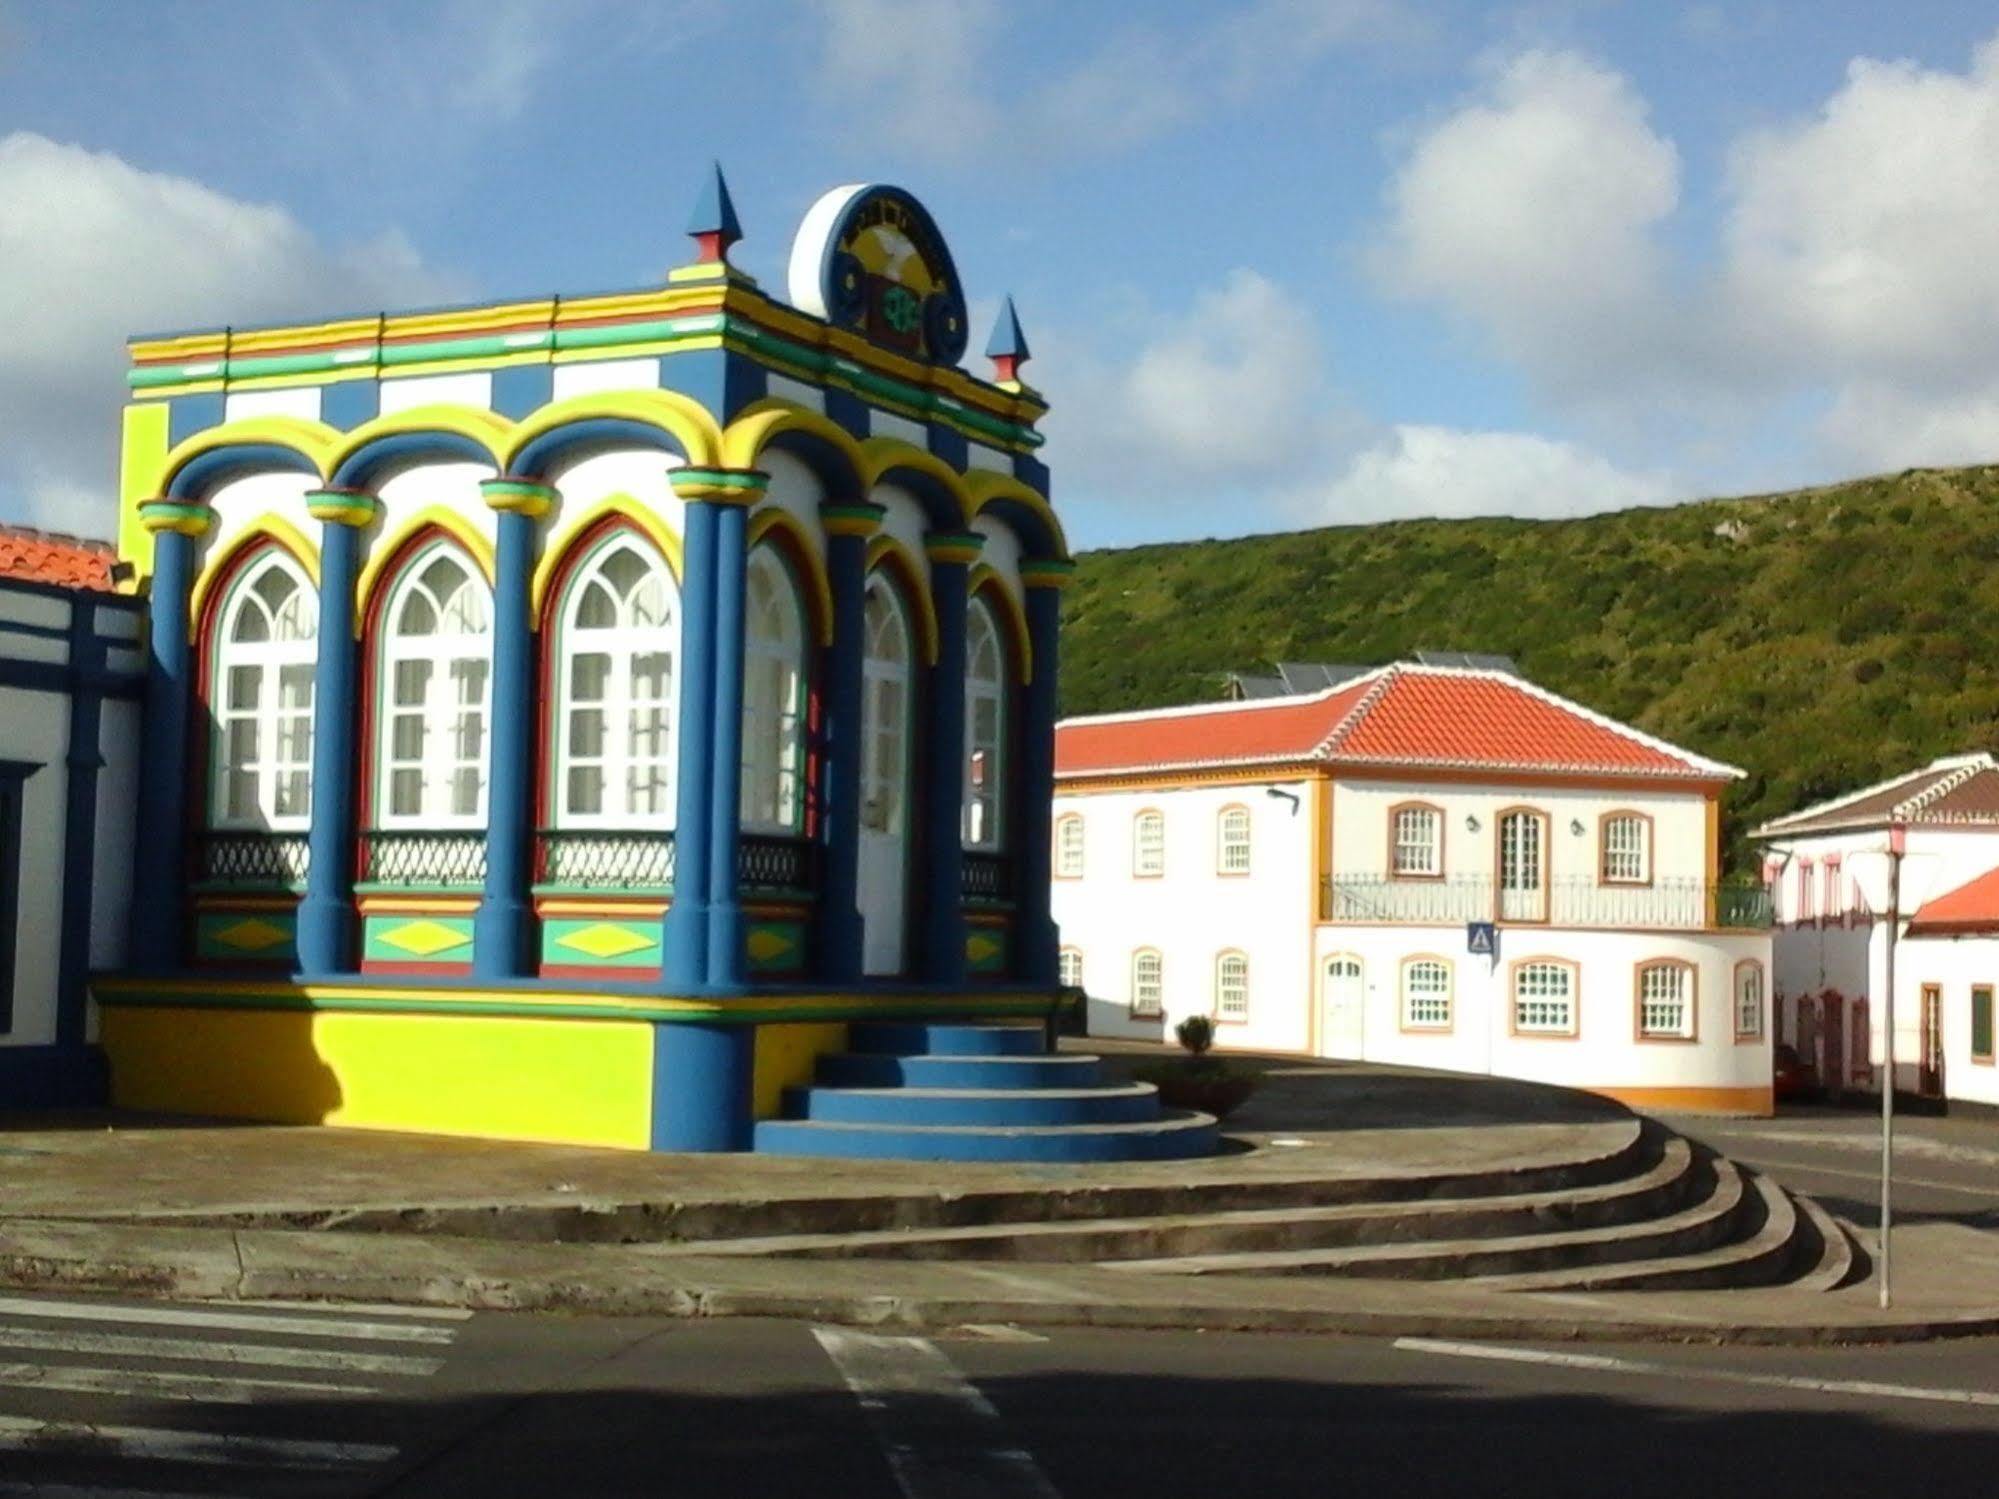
1036, 943
159, 863
702, 1073
503, 925
840, 929
326, 922
941, 869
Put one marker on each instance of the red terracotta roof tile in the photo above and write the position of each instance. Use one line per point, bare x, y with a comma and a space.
44, 557
1416, 716
1971, 907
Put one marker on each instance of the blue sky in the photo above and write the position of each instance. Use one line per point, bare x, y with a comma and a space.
1283, 262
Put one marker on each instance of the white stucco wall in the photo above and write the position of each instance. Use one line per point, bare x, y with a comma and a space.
241, 502
585, 483
1954, 965
407, 493
905, 521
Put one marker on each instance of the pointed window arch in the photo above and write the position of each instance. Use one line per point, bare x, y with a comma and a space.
984, 820
615, 738
265, 653
434, 692
773, 696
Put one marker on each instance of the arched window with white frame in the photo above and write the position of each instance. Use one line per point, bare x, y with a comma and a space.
1748, 1000
1426, 994
435, 694
265, 652
1069, 846
1069, 968
1148, 845
1148, 984
773, 798
985, 729
1231, 986
1232, 841
617, 632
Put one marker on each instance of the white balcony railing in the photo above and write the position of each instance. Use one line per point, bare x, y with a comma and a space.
1583, 902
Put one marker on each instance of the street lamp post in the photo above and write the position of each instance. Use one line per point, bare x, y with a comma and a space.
1898, 844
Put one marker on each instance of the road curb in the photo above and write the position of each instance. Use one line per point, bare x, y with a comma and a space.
47, 1255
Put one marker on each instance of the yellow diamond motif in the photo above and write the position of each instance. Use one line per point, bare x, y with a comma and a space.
425, 939
979, 948
765, 944
253, 935
603, 940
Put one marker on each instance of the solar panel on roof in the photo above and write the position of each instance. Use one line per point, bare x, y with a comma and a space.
1469, 661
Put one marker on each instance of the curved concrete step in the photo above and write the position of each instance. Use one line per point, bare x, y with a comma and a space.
1838, 1259
945, 1039
883, 1070
1660, 1189
1129, 1103
1759, 1258
1712, 1221
1173, 1136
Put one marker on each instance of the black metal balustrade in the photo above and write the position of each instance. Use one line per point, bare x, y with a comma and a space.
253, 859
594, 859
788, 865
987, 879
1572, 901
424, 859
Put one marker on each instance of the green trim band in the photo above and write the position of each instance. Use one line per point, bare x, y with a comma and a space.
517, 496
176, 515
342, 507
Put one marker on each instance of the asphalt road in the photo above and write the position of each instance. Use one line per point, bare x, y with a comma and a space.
104, 1398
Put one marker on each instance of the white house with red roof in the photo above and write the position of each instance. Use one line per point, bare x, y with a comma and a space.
1827, 867
1423, 865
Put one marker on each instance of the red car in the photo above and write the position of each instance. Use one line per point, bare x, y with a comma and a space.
1792, 1076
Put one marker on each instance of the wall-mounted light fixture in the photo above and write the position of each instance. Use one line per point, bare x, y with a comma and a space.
1576, 826
1283, 795
1471, 824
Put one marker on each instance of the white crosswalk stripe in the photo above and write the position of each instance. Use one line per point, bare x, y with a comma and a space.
92, 1383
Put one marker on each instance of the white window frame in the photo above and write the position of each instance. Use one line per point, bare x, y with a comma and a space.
772, 795
1069, 846
441, 716
1148, 844
281, 756
1069, 967
1416, 842
1749, 1005
626, 643
1428, 1006
1232, 841
1148, 984
1622, 861
1652, 1000
888, 669
1545, 1011
1232, 986
982, 824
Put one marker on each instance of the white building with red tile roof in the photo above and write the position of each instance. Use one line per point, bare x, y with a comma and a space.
1827, 868
1431, 866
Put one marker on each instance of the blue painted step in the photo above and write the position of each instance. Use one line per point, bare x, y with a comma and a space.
858, 1070
1001, 1108
946, 1039
1176, 1136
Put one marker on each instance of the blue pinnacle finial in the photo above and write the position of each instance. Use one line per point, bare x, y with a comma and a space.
713, 223
1007, 348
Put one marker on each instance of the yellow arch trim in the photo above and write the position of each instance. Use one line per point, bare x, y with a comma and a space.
487, 428
312, 441
885, 454
761, 421
643, 520
806, 554
1014, 620
454, 525
683, 418
985, 486
914, 591
270, 525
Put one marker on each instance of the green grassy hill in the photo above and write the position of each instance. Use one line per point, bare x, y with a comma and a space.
1819, 640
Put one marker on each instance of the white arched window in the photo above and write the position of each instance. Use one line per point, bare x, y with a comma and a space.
1069, 846
1148, 845
266, 647
1426, 994
885, 676
614, 683
985, 729
436, 675
1231, 986
1069, 968
1148, 983
1232, 841
773, 696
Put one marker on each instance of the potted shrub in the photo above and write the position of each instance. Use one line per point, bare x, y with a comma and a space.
1198, 1080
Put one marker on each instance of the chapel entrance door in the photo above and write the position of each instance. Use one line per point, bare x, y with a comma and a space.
886, 698
1344, 998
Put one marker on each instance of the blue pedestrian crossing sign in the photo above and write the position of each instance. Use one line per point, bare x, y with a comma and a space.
1481, 938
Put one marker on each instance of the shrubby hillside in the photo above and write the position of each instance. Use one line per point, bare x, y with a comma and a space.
1818, 639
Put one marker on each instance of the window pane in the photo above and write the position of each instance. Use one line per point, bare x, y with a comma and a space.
406, 792
241, 749
252, 624
652, 677
294, 798
240, 794
412, 678
406, 736
586, 789
596, 609
417, 616
245, 686
465, 784
589, 677
295, 686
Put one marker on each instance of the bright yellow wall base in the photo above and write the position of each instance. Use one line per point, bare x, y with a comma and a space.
785, 1054
563, 1082
1754, 1102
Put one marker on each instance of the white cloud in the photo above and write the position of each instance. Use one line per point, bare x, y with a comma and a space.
911, 67
1439, 471
1529, 212
1876, 425
96, 249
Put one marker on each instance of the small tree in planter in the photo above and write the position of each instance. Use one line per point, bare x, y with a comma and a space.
1197, 1080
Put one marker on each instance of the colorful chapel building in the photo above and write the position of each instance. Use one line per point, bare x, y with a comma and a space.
566, 715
